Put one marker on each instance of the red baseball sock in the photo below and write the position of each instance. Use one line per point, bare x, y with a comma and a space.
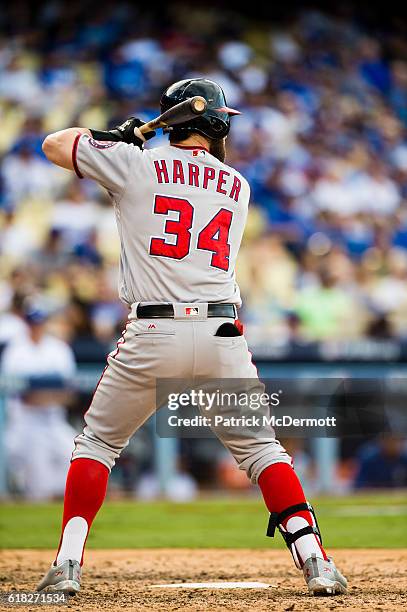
281, 489
85, 491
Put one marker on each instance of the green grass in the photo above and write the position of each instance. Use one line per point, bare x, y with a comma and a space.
373, 521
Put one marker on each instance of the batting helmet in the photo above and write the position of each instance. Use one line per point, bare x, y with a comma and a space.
214, 122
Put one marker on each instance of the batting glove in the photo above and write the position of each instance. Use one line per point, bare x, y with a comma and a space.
126, 132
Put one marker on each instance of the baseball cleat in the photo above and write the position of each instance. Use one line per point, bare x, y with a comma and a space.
65, 577
323, 578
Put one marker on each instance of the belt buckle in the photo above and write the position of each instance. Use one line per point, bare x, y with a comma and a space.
196, 311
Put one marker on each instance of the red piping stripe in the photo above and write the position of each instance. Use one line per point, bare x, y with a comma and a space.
74, 151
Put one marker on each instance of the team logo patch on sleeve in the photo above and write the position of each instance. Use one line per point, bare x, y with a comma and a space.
101, 144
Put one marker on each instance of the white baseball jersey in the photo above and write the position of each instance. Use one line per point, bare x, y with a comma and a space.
180, 214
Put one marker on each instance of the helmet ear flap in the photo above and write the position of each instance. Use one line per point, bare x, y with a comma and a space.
218, 127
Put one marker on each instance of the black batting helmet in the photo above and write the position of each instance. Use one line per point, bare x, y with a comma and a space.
214, 122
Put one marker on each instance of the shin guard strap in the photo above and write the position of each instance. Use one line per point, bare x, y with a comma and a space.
290, 538
276, 518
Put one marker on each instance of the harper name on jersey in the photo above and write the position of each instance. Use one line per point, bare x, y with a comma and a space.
204, 177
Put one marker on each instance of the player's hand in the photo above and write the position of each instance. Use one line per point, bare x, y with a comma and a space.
125, 133
130, 134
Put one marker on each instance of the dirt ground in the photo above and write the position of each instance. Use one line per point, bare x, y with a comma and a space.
121, 580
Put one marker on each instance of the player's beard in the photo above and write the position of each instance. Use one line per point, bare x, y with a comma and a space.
217, 148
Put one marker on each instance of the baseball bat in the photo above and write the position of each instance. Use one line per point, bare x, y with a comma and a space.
184, 111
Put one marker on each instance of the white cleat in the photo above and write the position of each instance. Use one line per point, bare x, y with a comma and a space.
323, 578
65, 578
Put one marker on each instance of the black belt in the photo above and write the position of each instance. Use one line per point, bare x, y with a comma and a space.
166, 311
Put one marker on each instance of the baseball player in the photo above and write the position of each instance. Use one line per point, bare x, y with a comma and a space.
180, 212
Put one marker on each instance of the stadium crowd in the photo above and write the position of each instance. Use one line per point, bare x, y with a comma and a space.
321, 139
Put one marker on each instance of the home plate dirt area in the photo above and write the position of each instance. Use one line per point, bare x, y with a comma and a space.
116, 580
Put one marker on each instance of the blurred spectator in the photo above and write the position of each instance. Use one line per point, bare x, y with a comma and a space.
326, 311
180, 488
39, 441
53, 254
26, 175
75, 217
18, 83
12, 324
16, 241
382, 464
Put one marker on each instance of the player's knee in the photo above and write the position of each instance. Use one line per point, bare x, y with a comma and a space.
89, 446
269, 453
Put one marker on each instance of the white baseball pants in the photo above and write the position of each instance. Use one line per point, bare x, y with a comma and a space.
181, 348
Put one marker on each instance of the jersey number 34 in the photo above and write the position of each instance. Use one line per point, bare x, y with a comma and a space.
213, 237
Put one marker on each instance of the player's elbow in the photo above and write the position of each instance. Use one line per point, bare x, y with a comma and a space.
50, 148
57, 148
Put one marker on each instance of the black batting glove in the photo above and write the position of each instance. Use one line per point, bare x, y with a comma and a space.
125, 133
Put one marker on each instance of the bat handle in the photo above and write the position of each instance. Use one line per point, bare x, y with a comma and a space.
194, 106
147, 127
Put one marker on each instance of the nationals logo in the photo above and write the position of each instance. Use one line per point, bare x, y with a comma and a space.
101, 144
